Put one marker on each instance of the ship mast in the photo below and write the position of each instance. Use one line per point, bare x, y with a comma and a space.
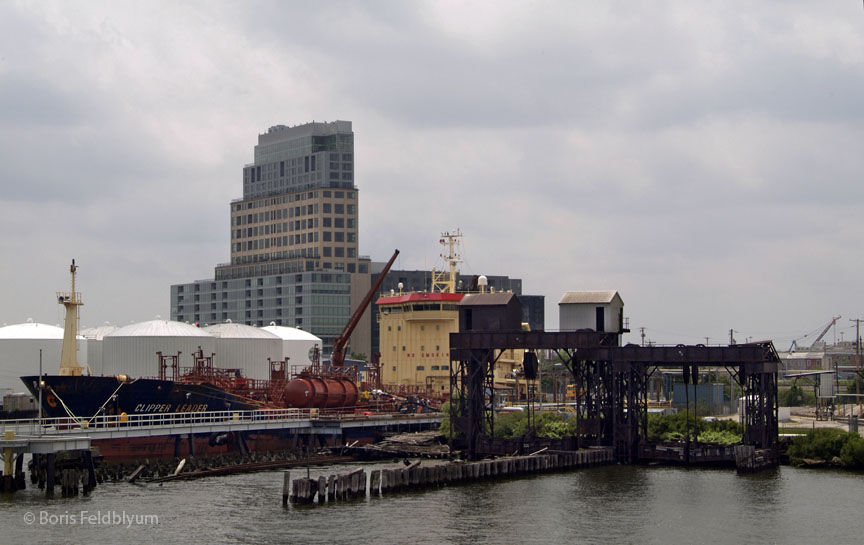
445, 281
69, 365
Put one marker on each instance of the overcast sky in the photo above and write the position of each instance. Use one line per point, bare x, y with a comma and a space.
703, 158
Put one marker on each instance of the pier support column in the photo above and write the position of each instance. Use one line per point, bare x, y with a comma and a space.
91, 471
49, 469
20, 481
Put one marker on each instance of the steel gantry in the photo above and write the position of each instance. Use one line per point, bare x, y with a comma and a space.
611, 383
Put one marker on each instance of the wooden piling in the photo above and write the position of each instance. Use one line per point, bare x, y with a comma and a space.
375, 482
322, 488
286, 487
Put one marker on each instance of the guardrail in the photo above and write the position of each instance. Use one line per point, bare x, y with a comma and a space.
68, 425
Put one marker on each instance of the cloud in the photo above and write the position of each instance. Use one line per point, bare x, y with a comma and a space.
703, 159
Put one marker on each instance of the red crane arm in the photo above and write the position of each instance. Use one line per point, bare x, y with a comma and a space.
337, 359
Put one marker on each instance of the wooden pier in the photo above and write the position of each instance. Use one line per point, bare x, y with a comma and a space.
357, 484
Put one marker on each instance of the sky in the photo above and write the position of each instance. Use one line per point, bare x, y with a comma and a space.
702, 158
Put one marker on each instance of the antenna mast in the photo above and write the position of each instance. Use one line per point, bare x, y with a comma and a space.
445, 281
69, 365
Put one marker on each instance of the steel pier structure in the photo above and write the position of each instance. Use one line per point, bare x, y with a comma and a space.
611, 384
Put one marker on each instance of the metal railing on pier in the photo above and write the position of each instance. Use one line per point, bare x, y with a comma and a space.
129, 424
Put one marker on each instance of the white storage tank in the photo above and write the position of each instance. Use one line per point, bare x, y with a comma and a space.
93, 337
244, 347
297, 345
19, 353
131, 350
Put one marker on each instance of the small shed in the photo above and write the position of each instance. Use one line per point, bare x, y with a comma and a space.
597, 310
490, 312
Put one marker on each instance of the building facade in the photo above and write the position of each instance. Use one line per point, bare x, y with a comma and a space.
533, 311
294, 257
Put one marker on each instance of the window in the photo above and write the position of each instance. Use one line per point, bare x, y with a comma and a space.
339, 251
339, 236
403, 349
327, 208
327, 236
339, 208
339, 223
419, 367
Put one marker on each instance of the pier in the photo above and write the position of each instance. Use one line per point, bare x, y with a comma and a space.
416, 477
46, 449
183, 434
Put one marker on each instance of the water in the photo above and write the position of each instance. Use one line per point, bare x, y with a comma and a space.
617, 504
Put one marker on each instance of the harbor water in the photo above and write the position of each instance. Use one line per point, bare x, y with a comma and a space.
613, 504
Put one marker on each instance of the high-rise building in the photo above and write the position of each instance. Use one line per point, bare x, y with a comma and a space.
294, 247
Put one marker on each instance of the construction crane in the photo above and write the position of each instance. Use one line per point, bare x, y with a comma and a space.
819, 338
337, 358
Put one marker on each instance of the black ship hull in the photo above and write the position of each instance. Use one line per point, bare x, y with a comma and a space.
89, 396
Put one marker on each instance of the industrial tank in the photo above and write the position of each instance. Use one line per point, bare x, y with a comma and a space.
19, 353
244, 347
306, 392
297, 345
131, 350
93, 337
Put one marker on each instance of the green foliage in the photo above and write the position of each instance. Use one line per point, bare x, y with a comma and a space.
357, 356
826, 443
852, 452
550, 425
796, 397
449, 408
668, 427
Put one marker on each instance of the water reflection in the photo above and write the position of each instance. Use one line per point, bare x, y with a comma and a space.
620, 504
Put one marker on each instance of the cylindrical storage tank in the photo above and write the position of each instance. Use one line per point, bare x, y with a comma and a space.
93, 337
297, 345
19, 353
244, 347
131, 350
306, 392
321, 393
352, 393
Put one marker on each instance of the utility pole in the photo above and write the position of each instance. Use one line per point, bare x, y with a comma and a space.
642, 331
706, 340
731, 337
858, 362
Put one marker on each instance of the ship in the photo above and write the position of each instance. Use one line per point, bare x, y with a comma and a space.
202, 387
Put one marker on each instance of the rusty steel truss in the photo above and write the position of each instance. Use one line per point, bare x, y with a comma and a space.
611, 383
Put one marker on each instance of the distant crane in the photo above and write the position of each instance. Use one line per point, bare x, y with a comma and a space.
819, 338
337, 358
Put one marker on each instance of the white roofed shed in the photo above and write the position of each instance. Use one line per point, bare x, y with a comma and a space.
597, 310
